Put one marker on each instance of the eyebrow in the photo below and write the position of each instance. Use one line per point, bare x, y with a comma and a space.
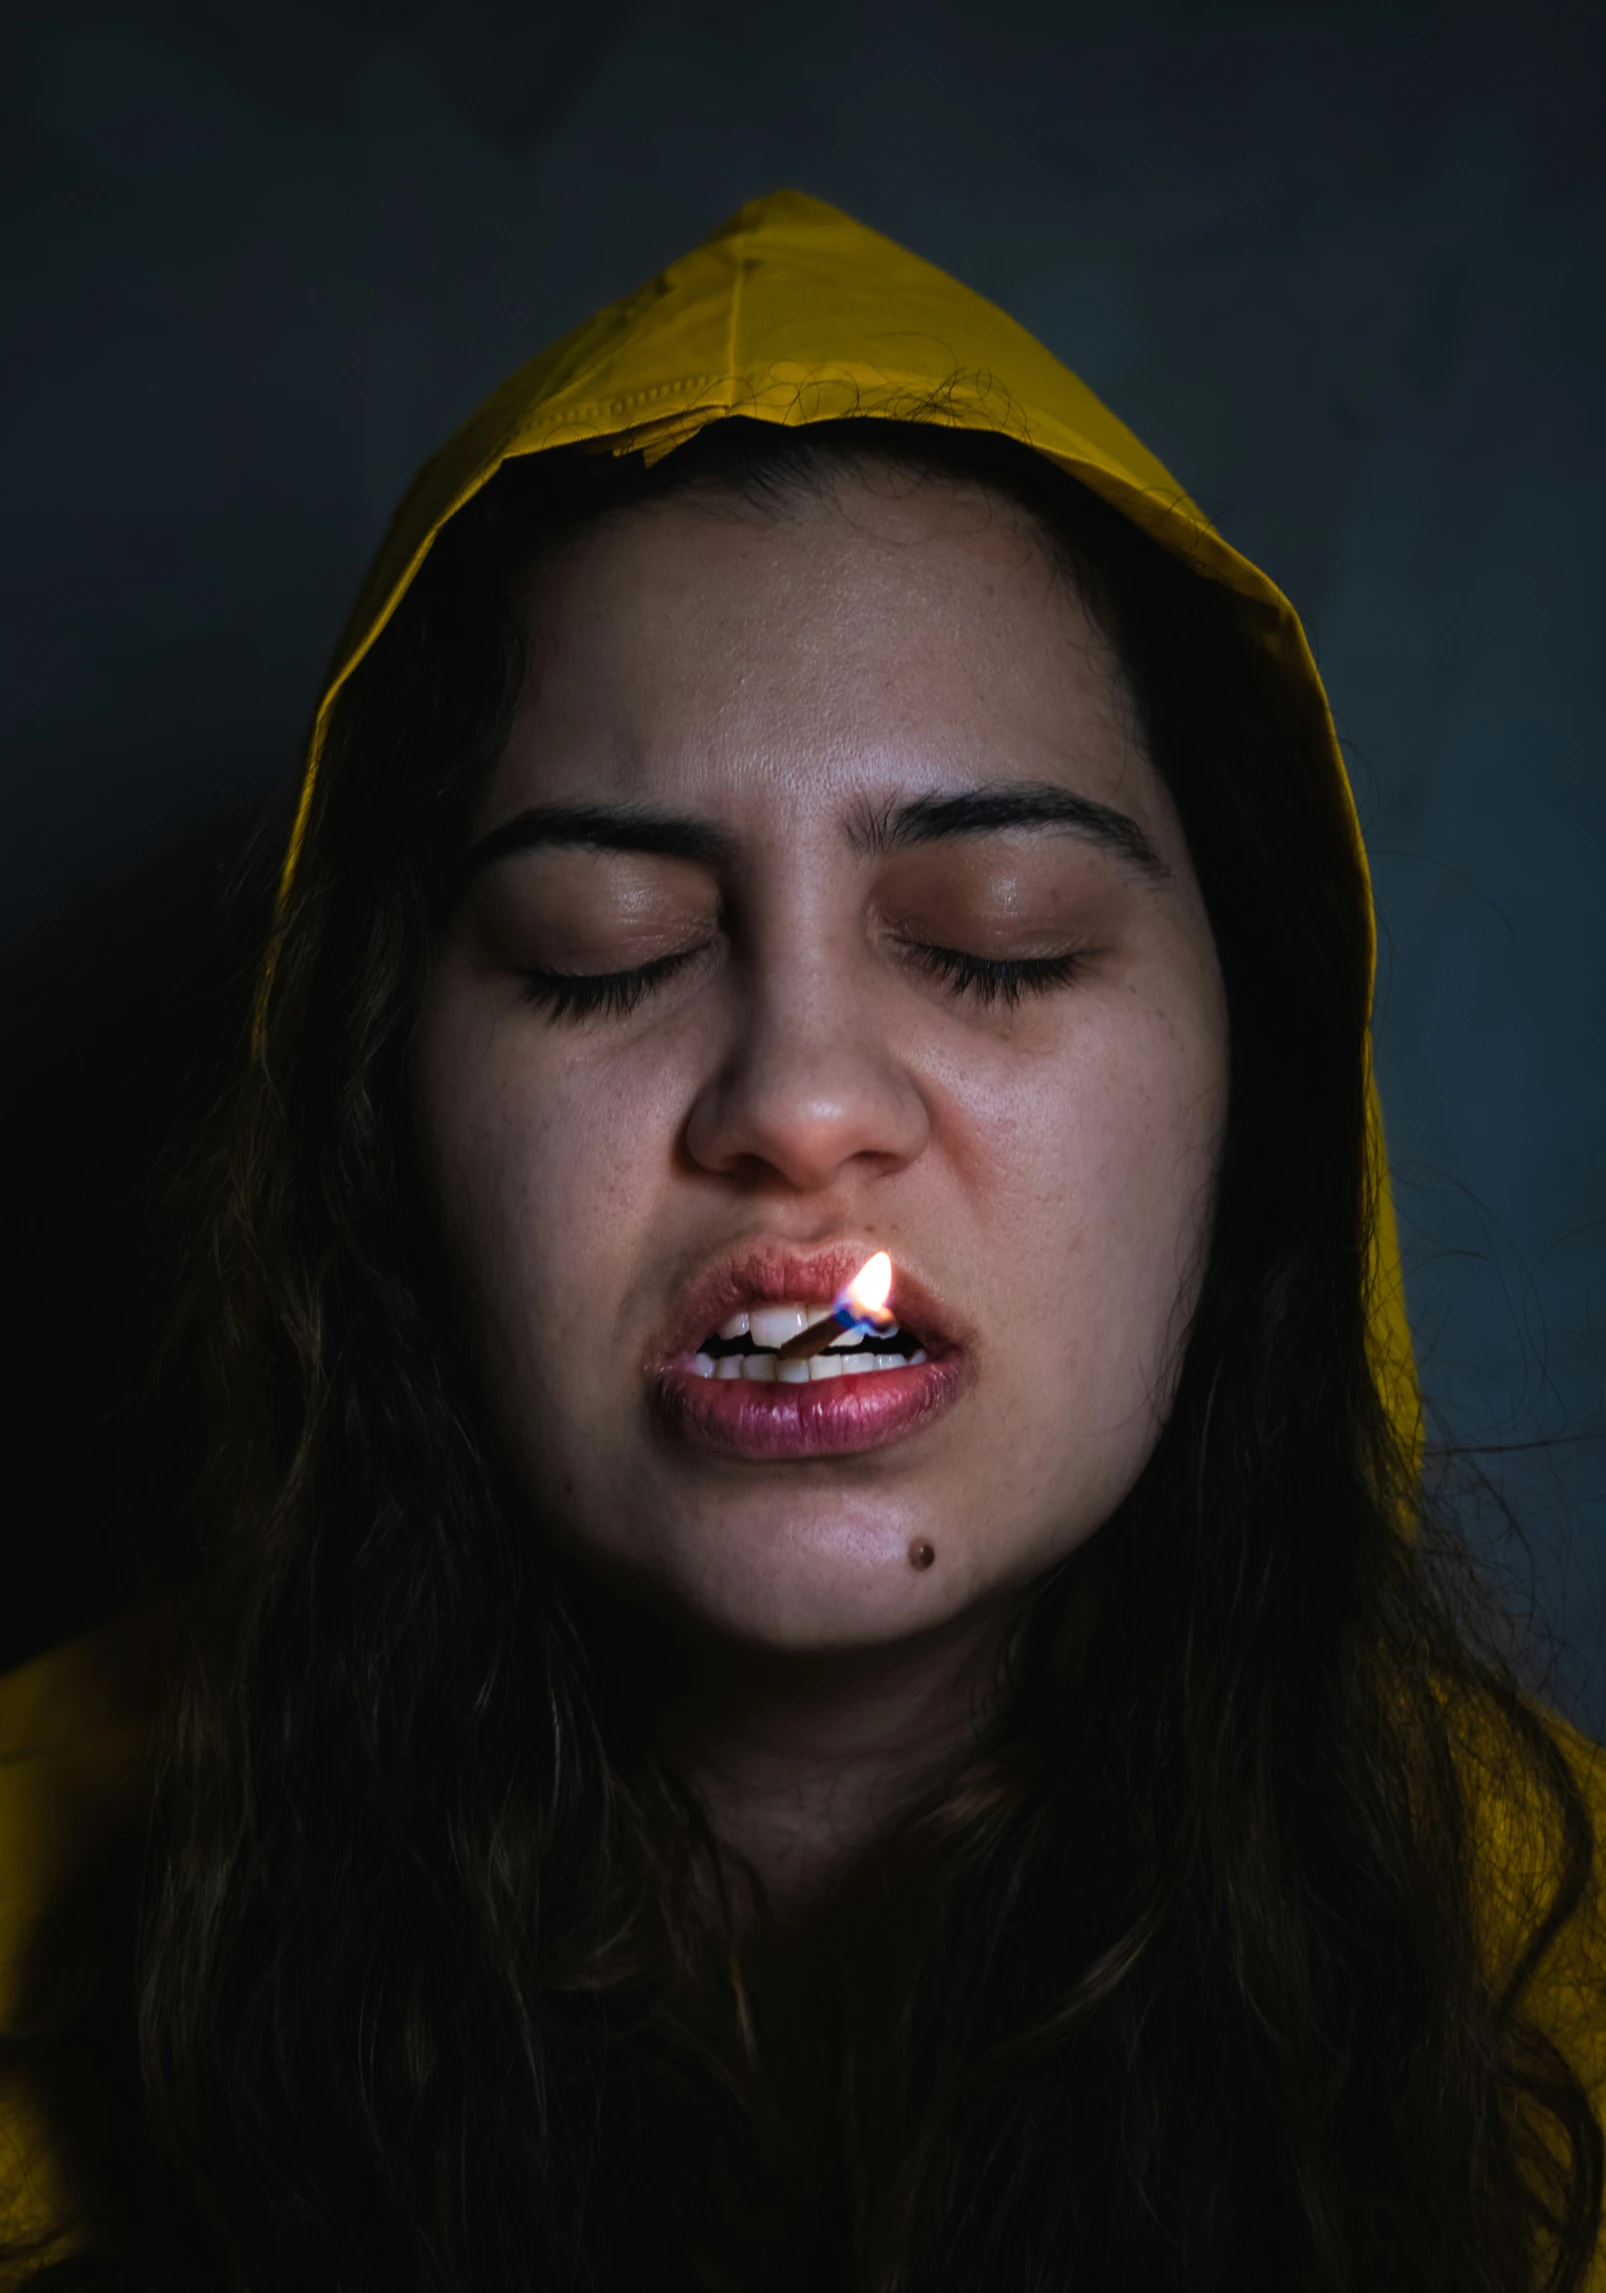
931, 819
604, 828
1022, 804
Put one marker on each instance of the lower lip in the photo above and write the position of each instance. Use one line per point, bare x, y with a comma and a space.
836, 1418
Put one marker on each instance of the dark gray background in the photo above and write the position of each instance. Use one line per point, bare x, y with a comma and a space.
1340, 266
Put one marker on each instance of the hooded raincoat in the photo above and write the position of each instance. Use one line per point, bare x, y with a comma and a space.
791, 313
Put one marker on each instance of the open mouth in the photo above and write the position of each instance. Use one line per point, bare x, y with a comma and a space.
747, 1346
720, 1381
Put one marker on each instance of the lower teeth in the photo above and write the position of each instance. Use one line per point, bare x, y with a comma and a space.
765, 1369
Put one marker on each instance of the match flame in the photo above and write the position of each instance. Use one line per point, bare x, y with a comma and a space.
866, 1295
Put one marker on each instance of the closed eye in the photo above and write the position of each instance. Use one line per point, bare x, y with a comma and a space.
996, 979
576, 995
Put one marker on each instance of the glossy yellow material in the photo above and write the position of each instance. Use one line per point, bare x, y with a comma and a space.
75, 1773
794, 313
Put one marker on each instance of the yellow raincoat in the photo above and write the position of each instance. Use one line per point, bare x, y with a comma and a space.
791, 313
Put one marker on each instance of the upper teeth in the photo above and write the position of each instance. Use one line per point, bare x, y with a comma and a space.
771, 1326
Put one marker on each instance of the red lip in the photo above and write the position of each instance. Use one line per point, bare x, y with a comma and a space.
831, 1420
835, 1418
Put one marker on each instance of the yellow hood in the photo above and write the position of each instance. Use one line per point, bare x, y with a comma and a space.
794, 313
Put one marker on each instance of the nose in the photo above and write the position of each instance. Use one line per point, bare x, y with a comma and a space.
810, 1091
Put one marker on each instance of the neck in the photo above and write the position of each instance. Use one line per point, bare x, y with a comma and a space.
801, 1758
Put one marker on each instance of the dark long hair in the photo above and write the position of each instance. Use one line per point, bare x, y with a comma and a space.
1180, 1982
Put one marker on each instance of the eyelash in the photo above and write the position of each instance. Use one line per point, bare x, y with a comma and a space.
581, 995
996, 981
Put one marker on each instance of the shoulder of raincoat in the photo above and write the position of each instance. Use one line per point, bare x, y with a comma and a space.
791, 313
77, 1742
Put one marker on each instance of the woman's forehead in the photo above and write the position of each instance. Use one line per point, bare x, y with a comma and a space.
856, 648
870, 565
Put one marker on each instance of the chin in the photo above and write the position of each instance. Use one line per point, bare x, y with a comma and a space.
821, 1587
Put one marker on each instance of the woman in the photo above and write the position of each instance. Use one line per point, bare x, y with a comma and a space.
1016, 1800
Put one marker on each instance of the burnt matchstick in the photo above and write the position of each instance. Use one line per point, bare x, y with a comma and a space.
862, 1306
819, 1335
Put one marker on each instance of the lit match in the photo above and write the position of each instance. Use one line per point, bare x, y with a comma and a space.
862, 1306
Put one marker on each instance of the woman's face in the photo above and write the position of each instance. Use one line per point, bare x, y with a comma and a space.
824, 903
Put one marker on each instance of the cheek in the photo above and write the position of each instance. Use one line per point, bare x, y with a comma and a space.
540, 1226
1100, 1171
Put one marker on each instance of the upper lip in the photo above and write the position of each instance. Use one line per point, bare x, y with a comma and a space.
778, 1273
